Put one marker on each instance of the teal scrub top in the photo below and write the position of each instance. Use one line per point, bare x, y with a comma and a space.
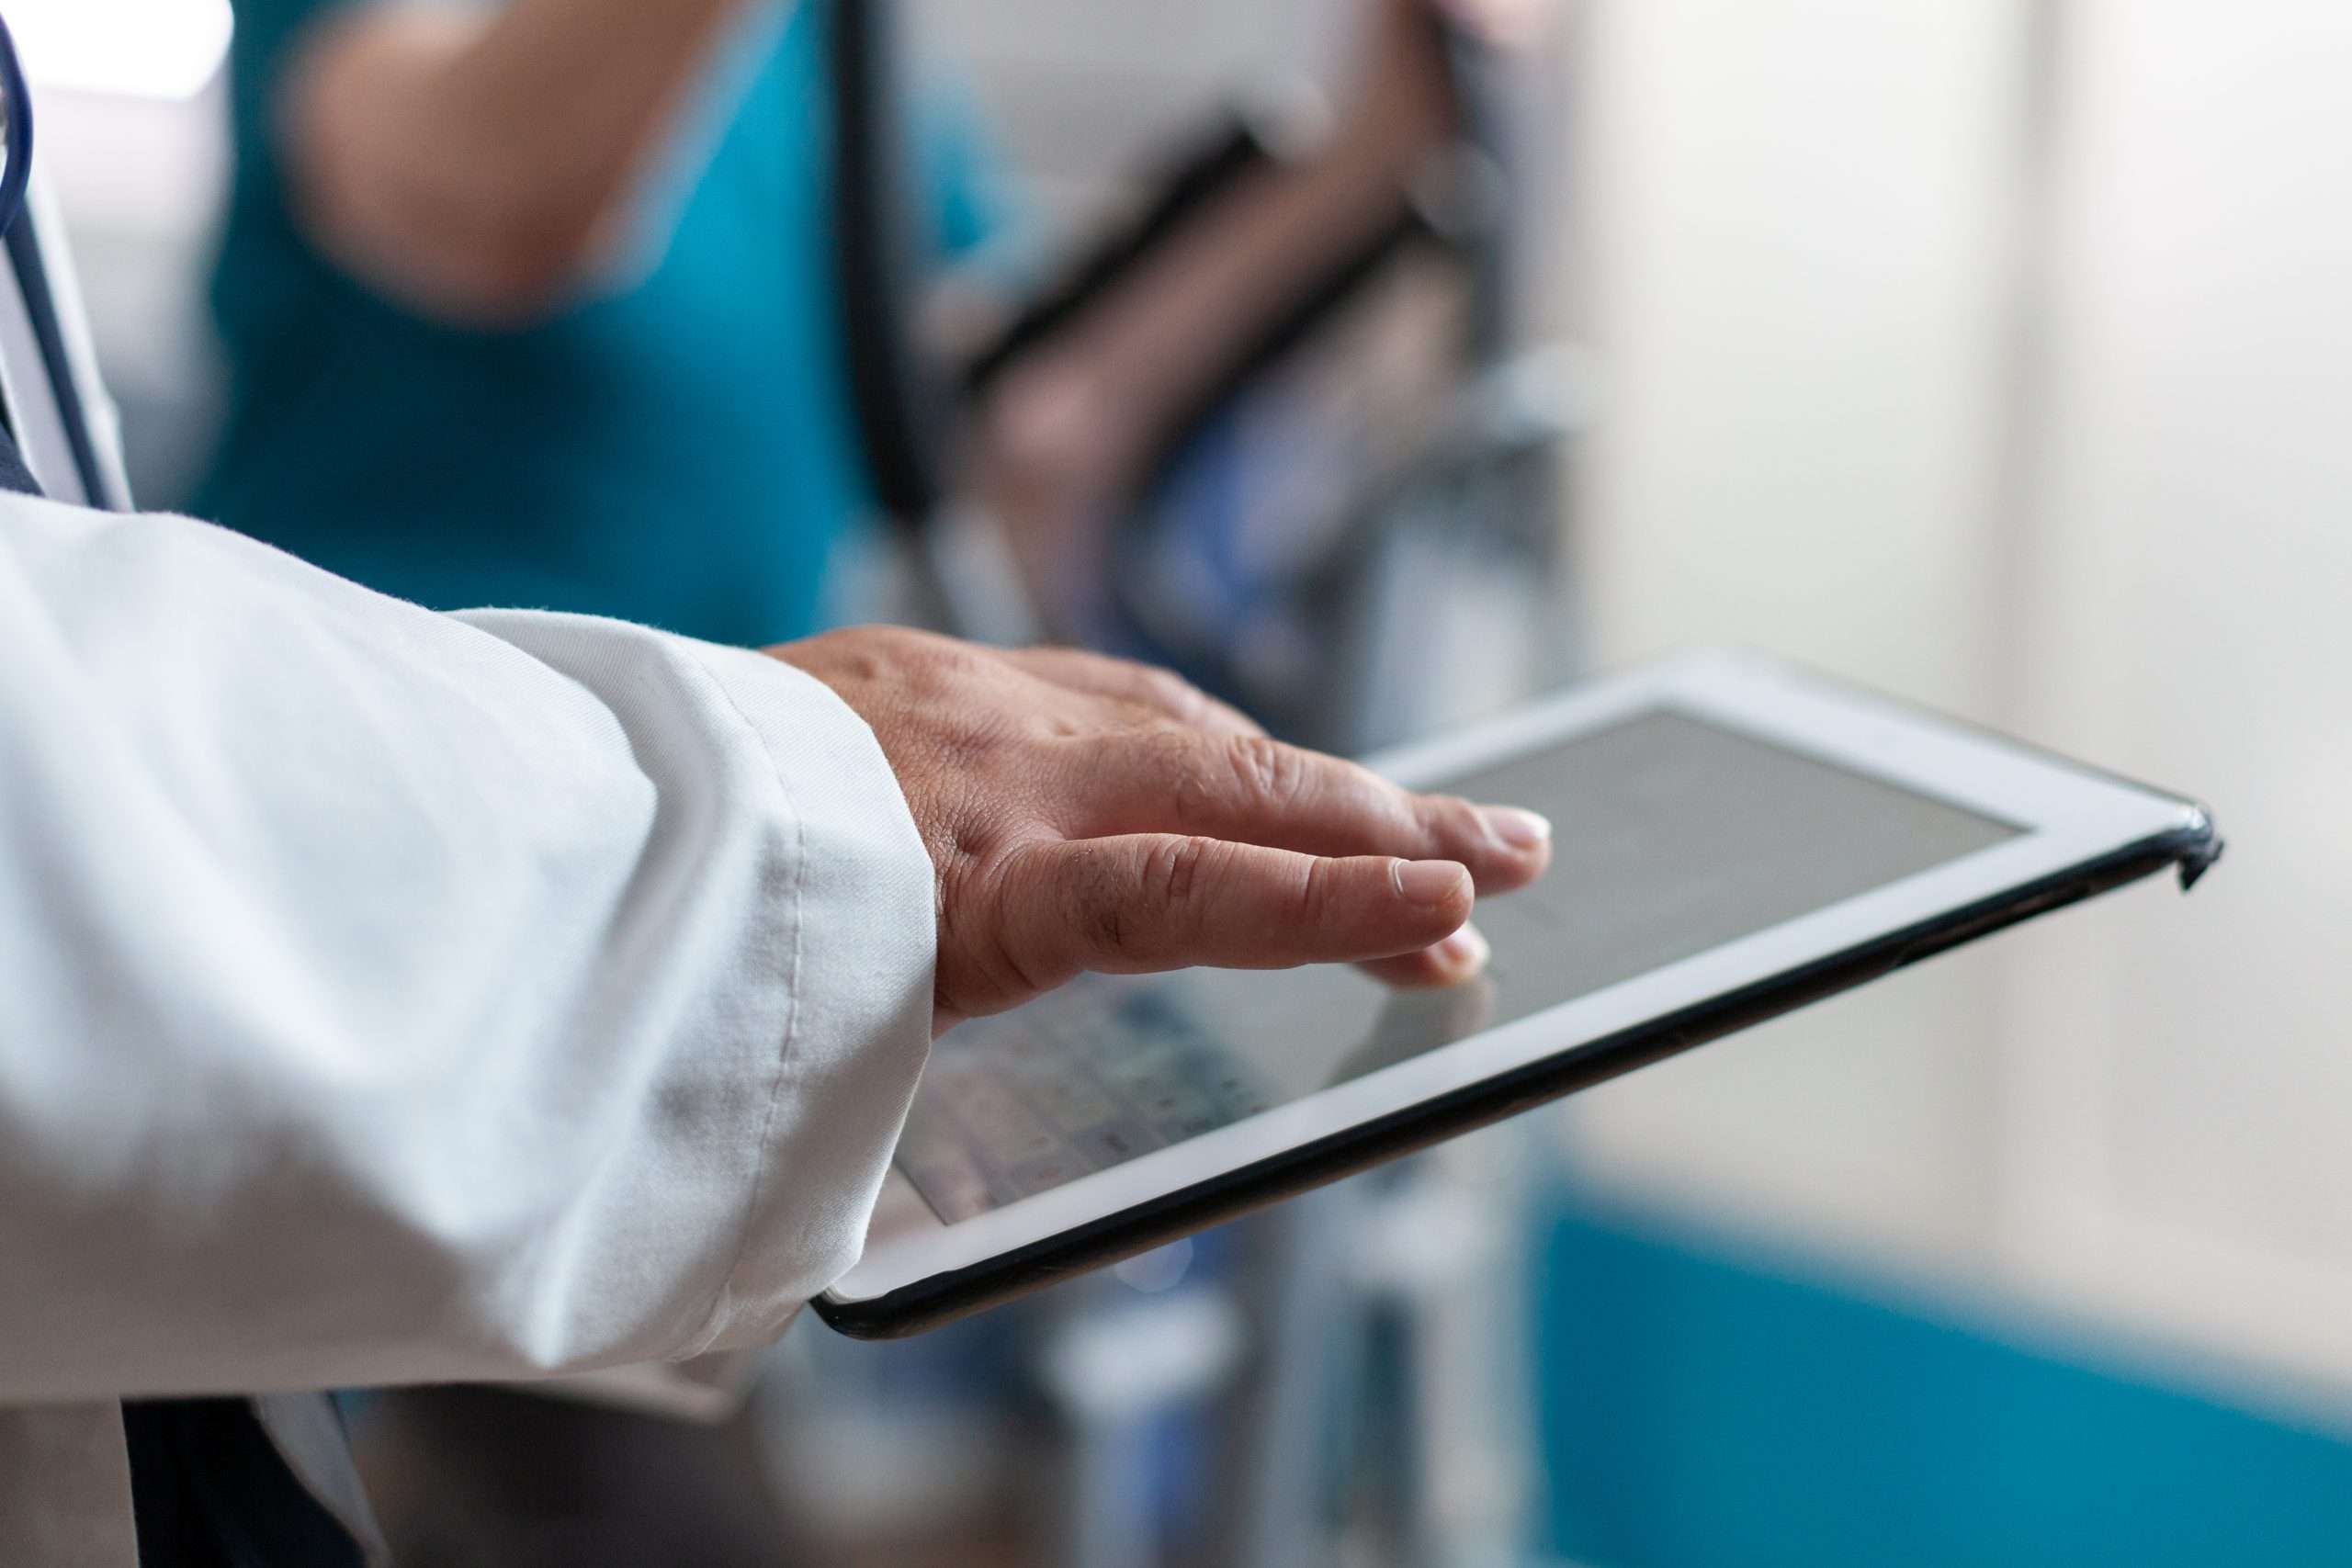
679, 451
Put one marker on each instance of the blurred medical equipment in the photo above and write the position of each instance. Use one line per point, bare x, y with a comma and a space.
1376, 425
1353, 534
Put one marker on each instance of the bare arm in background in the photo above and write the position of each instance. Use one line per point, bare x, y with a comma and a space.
477, 167
1065, 432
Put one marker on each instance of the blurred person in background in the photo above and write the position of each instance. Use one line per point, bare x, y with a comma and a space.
533, 304
1068, 430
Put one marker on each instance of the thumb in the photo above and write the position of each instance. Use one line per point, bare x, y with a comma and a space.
1153, 901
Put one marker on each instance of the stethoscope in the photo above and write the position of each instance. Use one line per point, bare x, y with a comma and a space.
53, 396
20, 127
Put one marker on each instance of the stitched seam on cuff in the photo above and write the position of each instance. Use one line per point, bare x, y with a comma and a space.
715, 1323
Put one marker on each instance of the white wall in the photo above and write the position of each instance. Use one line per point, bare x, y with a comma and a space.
2184, 1073
1791, 213
1808, 223
1083, 93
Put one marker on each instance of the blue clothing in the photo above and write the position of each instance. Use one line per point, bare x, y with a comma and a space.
680, 452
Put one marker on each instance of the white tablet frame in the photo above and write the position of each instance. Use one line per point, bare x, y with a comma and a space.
2067, 816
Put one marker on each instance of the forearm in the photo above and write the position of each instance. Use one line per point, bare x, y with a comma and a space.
1164, 339
582, 88
478, 168
393, 999
1067, 429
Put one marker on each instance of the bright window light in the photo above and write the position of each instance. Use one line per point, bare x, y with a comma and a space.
147, 48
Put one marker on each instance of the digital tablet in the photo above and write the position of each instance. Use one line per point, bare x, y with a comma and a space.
1732, 838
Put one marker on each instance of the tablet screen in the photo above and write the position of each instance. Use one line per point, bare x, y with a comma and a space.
1672, 836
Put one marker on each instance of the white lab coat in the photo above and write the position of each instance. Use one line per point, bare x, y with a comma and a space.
390, 996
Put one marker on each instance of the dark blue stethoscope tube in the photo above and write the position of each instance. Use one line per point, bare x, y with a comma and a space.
19, 123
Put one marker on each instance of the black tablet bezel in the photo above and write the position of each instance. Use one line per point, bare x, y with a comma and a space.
951, 1294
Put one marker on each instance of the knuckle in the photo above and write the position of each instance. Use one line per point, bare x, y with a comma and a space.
1173, 758
1138, 910
1111, 933
1175, 868
945, 669
1267, 771
902, 646
986, 921
961, 741
867, 655
1317, 893
1166, 689
1106, 893
1451, 820
931, 661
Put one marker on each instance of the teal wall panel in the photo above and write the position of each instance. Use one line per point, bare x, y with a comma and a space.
1700, 1411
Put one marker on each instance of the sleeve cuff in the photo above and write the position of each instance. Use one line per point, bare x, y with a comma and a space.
864, 917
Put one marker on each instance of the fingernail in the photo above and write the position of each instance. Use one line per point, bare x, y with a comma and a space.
1465, 952
1520, 828
1430, 881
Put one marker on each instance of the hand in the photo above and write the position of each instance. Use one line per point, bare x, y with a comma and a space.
1084, 813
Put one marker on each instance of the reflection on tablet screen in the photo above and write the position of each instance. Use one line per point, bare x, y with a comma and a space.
1671, 836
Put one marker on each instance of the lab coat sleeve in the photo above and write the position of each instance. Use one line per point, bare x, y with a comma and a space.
388, 996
